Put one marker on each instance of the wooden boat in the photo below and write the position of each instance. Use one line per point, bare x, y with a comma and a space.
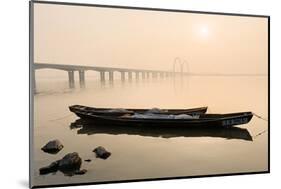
223, 120
89, 128
120, 111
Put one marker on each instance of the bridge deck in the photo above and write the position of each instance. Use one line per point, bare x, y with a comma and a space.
94, 68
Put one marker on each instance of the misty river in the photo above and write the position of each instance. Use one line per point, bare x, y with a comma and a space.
143, 153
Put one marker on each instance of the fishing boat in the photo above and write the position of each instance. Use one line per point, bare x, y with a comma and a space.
79, 109
169, 120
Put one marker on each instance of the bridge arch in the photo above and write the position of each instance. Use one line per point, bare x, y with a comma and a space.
185, 64
177, 61
182, 63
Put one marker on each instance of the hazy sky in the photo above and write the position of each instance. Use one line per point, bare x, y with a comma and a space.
149, 39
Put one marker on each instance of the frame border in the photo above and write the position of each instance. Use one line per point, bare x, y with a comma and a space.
147, 8
31, 89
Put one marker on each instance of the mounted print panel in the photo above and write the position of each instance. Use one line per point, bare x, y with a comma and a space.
122, 94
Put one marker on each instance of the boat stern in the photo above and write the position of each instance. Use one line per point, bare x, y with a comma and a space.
243, 118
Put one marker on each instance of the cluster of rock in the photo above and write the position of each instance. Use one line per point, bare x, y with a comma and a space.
70, 164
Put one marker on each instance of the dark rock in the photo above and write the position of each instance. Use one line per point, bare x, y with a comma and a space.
80, 172
69, 165
70, 161
52, 147
53, 167
88, 160
68, 172
101, 152
75, 125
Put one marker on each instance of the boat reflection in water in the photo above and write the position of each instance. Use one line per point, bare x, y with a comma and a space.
91, 128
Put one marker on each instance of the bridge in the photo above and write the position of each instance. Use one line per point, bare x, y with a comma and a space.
145, 74
70, 69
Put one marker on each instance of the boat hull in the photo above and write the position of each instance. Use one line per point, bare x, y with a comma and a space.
205, 120
105, 111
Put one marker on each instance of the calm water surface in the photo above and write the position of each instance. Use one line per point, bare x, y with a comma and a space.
141, 153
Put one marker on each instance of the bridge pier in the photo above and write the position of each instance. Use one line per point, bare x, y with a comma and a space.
137, 75
147, 75
110, 76
143, 75
122, 76
82, 78
130, 76
154, 75
71, 81
102, 76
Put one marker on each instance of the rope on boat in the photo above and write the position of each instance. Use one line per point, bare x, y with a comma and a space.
62, 117
264, 131
259, 134
260, 117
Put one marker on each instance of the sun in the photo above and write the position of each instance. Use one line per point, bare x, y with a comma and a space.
204, 31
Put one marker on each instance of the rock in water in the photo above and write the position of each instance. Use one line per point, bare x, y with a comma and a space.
53, 167
69, 165
70, 161
80, 172
101, 152
52, 147
88, 160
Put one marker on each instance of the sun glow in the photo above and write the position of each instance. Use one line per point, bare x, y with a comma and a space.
204, 31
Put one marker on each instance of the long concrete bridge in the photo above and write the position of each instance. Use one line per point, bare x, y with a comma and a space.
70, 69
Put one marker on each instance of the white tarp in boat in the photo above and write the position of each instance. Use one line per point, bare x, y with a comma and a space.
155, 110
161, 116
116, 110
185, 116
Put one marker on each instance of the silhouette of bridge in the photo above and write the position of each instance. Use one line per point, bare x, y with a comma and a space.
144, 73
70, 69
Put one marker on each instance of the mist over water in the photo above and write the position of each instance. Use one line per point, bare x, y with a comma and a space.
141, 154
